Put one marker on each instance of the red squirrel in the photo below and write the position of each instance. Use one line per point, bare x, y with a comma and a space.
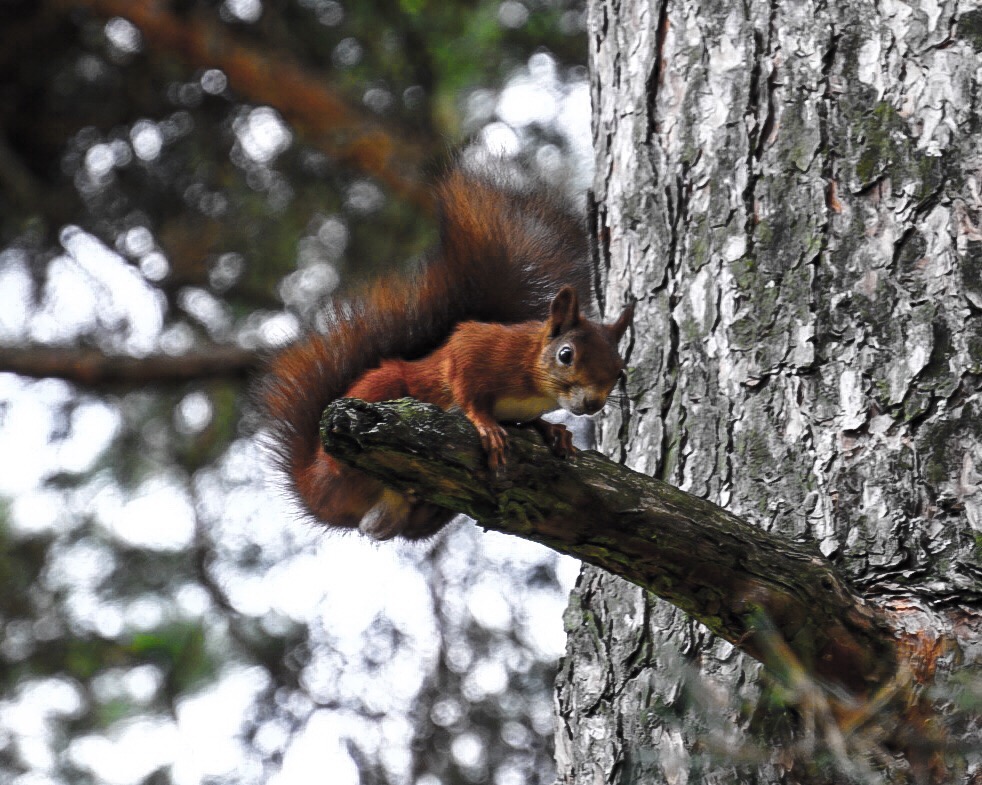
490, 324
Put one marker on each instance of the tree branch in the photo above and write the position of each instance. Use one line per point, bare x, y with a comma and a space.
92, 368
780, 602
326, 119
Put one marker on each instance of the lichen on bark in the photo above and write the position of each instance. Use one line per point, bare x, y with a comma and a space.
791, 192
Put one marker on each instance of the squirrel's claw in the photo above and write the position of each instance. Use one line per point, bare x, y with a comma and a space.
563, 443
557, 437
494, 440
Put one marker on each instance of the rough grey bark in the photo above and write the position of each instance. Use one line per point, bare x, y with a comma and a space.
792, 193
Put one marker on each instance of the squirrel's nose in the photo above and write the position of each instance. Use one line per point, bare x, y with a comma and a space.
593, 405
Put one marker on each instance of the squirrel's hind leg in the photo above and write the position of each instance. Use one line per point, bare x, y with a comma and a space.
426, 520
394, 515
386, 518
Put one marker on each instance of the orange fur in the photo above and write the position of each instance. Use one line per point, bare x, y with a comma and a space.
504, 253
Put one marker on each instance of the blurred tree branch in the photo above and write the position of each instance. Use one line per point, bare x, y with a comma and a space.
324, 117
94, 369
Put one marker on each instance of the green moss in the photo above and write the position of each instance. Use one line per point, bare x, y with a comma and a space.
971, 267
754, 448
764, 233
657, 710
975, 352
931, 172
935, 472
886, 146
671, 459
699, 252
970, 29
813, 244
743, 333
752, 329
575, 614
743, 271
883, 131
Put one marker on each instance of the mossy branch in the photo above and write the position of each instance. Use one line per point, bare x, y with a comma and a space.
779, 601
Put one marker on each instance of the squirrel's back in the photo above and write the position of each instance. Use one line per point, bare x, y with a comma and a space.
505, 250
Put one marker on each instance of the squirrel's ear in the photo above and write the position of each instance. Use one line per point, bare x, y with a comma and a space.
619, 327
564, 313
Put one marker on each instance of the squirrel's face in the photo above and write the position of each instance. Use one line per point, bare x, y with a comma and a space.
579, 359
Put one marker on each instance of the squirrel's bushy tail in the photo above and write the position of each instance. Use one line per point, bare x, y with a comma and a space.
505, 250
511, 247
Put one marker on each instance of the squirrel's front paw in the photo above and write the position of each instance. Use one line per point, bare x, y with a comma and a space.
557, 437
494, 440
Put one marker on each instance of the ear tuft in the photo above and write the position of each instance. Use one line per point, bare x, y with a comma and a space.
564, 313
619, 327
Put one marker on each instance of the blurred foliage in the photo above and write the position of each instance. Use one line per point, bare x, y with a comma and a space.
147, 206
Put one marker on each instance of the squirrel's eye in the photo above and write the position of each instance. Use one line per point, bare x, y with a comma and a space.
565, 355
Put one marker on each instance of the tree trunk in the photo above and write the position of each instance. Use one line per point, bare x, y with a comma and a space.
791, 191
